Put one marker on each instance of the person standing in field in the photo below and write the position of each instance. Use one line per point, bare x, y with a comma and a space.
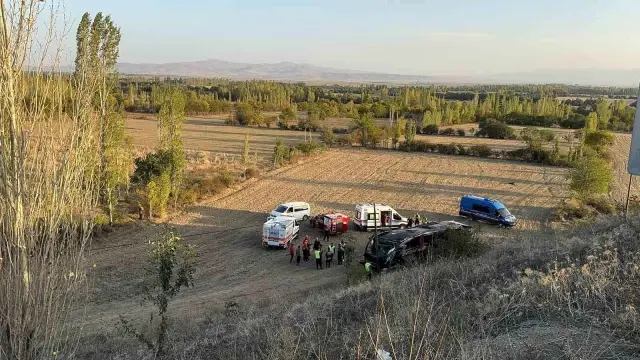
291, 252
298, 255
330, 255
305, 253
326, 234
340, 252
317, 254
367, 269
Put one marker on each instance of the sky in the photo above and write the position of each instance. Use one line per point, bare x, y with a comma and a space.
418, 37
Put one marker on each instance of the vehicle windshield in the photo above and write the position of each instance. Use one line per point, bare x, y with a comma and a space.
504, 212
281, 209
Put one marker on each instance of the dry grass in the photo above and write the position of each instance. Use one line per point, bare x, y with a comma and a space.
570, 295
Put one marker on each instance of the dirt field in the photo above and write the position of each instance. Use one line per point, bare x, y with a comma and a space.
212, 135
234, 266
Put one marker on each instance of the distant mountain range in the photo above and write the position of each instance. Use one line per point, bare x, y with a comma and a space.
288, 71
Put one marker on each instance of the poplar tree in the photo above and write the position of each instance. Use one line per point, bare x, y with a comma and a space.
97, 44
591, 122
170, 119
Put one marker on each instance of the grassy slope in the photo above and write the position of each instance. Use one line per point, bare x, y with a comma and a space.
568, 294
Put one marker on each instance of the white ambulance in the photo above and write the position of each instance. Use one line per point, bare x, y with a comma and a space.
368, 216
279, 231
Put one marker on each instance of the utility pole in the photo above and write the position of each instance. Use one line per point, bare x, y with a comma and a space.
626, 207
375, 229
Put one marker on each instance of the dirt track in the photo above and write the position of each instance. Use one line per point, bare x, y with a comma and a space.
232, 263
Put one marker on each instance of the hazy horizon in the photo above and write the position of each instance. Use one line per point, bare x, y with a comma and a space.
409, 37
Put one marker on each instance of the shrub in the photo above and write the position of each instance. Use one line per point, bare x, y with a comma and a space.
448, 149
591, 175
448, 132
430, 130
188, 196
460, 243
309, 147
601, 203
328, 137
152, 165
480, 151
461, 132
494, 129
245, 114
574, 209
340, 130
251, 173
342, 140
599, 140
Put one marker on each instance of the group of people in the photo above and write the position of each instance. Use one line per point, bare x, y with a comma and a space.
386, 220
304, 251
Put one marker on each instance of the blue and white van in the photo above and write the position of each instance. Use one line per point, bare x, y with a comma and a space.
489, 210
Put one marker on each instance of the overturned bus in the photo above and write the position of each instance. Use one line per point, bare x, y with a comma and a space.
398, 247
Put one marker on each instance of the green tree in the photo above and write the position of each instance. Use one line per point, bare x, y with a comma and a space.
591, 122
604, 113
599, 140
410, 131
328, 137
171, 267
397, 130
279, 152
170, 121
117, 160
246, 148
97, 44
591, 175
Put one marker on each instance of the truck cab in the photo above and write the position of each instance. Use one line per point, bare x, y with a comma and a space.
484, 209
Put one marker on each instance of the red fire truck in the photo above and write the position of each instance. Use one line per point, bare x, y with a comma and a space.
336, 223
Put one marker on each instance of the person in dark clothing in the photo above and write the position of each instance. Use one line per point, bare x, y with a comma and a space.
298, 255
316, 244
340, 252
410, 222
326, 235
417, 220
317, 254
330, 255
292, 250
140, 212
306, 253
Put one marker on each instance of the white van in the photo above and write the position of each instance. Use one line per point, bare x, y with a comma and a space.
279, 231
301, 211
367, 219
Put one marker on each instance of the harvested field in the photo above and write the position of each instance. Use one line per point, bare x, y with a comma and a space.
212, 135
226, 230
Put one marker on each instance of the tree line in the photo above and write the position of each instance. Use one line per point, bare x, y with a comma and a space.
427, 105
